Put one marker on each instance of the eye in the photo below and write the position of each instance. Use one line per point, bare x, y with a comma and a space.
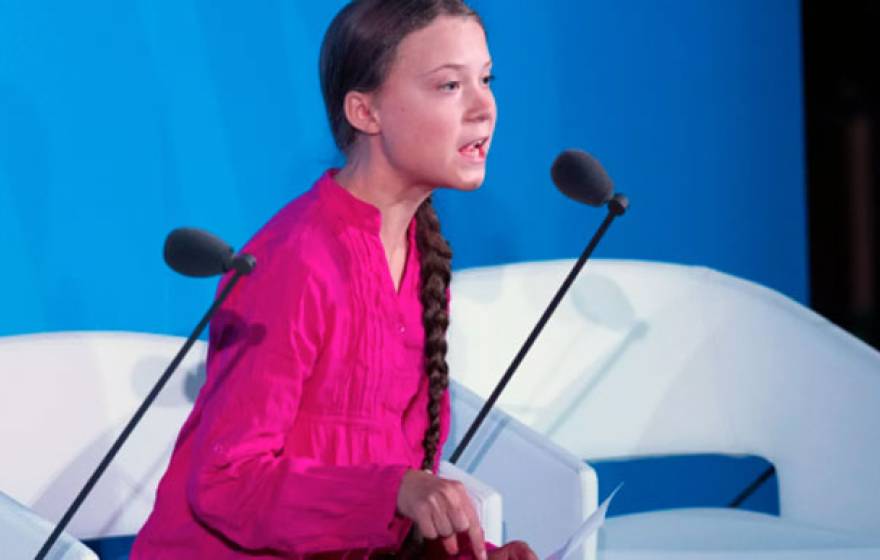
450, 86
489, 79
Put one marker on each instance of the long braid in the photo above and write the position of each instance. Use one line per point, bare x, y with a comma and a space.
436, 271
435, 258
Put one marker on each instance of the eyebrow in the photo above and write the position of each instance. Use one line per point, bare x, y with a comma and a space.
453, 67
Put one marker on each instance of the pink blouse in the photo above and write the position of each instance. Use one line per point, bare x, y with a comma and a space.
315, 401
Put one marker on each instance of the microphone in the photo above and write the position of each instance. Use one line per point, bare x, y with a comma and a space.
191, 252
579, 176
195, 252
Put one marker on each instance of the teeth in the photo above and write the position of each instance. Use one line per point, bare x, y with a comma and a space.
476, 145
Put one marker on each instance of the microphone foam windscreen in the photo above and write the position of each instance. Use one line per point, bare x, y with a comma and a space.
194, 252
580, 176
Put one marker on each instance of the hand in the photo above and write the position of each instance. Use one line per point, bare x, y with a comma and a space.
514, 550
440, 508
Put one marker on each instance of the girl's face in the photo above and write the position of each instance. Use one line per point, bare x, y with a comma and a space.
436, 110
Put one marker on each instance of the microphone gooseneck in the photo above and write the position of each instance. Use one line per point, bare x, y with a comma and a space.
190, 252
581, 177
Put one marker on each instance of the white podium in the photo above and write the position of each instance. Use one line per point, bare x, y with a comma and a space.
23, 532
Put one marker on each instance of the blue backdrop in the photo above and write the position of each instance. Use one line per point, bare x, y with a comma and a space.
122, 120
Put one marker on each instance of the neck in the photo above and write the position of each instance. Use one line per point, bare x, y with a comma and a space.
396, 198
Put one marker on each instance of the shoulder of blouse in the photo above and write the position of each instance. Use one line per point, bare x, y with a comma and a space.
301, 238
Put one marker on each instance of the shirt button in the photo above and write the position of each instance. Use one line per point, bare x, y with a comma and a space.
402, 329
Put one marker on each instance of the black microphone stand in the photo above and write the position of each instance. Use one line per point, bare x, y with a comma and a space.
616, 207
243, 264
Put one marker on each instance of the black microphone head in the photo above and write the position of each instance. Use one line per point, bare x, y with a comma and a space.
580, 176
194, 252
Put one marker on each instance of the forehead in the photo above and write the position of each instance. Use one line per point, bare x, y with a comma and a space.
446, 40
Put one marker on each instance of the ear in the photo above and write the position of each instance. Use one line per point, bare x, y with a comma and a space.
360, 112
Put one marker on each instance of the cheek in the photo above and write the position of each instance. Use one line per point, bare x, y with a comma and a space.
422, 130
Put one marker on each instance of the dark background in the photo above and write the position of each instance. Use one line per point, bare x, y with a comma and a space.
841, 90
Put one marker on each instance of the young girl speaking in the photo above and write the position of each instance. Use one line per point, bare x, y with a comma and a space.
321, 422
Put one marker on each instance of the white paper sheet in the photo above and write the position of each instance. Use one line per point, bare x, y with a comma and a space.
590, 525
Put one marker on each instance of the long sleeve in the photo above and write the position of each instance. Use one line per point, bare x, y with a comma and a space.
243, 484
314, 403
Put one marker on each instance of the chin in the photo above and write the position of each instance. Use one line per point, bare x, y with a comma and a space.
468, 182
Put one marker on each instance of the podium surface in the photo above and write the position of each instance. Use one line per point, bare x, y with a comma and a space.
23, 532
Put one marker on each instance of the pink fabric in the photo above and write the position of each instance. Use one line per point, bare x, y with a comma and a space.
315, 401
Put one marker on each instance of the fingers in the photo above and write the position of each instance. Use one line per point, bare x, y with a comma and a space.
441, 509
440, 513
475, 532
450, 545
459, 503
458, 514
425, 521
454, 513
463, 517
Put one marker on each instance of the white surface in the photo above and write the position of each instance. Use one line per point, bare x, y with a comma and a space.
820, 554
547, 492
646, 358
587, 529
23, 533
729, 529
67, 397
724, 533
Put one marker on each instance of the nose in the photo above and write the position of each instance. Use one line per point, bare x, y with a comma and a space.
481, 106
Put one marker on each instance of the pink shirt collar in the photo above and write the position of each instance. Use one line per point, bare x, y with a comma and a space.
351, 210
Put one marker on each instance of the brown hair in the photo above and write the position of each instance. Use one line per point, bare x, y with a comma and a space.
356, 55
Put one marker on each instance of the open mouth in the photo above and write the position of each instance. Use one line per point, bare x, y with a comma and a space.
475, 150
